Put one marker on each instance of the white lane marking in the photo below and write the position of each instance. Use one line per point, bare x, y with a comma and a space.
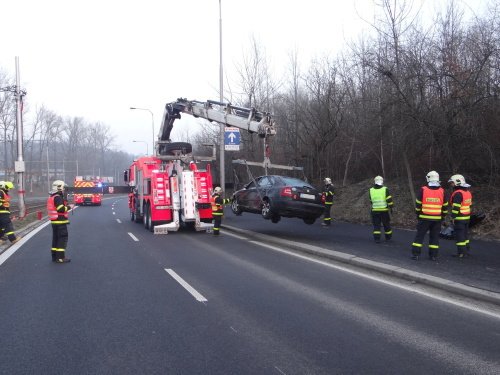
279, 370
119, 221
186, 286
133, 237
378, 279
235, 236
13, 248
233, 329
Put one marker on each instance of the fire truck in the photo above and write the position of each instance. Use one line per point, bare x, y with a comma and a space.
172, 189
87, 191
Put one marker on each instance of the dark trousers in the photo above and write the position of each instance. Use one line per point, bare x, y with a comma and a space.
461, 232
59, 241
379, 219
217, 223
433, 227
6, 227
327, 218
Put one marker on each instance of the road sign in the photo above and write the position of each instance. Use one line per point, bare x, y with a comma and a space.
232, 139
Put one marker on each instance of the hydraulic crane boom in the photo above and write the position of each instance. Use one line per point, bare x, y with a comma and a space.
248, 119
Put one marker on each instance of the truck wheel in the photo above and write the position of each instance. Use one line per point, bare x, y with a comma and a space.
146, 218
151, 223
175, 148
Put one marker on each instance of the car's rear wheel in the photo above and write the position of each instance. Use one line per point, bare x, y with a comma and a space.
309, 220
235, 207
266, 210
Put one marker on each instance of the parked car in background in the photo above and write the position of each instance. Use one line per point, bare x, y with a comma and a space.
275, 197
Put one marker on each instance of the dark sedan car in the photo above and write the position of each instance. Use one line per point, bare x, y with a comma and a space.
279, 196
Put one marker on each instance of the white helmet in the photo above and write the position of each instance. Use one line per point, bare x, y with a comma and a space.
328, 181
457, 179
58, 185
379, 180
6, 185
217, 190
432, 176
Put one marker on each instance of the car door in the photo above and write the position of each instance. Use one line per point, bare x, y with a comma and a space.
247, 195
263, 185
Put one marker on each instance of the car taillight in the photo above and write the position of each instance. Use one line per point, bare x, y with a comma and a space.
286, 191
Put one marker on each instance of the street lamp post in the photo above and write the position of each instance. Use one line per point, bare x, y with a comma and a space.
147, 147
152, 123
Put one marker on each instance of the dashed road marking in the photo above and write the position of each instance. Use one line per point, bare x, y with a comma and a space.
186, 286
133, 237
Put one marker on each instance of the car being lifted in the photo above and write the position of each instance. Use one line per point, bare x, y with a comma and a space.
276, 196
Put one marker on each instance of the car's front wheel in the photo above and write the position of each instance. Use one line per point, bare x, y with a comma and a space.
309, 220
235, 207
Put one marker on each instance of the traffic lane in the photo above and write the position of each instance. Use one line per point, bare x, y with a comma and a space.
111, 310
290, 309
482, 270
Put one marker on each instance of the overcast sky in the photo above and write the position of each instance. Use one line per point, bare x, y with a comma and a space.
97, 58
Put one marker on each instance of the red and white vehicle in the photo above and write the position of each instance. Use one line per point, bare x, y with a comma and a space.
171, 189
87, 191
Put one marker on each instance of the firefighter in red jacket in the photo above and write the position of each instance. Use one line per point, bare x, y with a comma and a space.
381, 204
431, 207
218, 208
6, 227
460, 203
328, 193
58, 209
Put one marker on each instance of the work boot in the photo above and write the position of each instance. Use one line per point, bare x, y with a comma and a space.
414, 257
377, 240
433, 258
325, 224
460, 256
63, 260
17, 239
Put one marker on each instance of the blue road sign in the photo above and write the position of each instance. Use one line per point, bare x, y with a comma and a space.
232, 139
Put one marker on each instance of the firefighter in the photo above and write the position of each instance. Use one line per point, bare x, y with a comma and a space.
328, 193
381, 204
431, 207
460, 203
57, 208
218, 208
6, 227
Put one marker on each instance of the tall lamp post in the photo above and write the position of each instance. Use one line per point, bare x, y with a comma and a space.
152, 123
221, 86
147, 148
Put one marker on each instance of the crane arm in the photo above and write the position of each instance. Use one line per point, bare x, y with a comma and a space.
248, 119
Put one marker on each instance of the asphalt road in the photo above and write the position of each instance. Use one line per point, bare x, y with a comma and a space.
131, 302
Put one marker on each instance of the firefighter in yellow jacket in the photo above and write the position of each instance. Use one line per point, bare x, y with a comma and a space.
58, 210
381, 204
218, 208
6, 227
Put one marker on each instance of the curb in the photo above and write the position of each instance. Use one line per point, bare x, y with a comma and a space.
403, 273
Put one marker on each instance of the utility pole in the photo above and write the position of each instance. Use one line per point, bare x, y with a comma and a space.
19, 166
221, 88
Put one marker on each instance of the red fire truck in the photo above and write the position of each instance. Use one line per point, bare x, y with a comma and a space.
172, 189
87, 191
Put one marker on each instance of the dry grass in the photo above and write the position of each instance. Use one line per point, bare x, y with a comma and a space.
351, 204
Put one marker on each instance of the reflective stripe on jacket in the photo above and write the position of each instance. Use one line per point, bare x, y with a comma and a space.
328, 193
59, 214
460, 204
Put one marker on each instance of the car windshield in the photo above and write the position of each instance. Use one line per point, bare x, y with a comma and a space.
290, 181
